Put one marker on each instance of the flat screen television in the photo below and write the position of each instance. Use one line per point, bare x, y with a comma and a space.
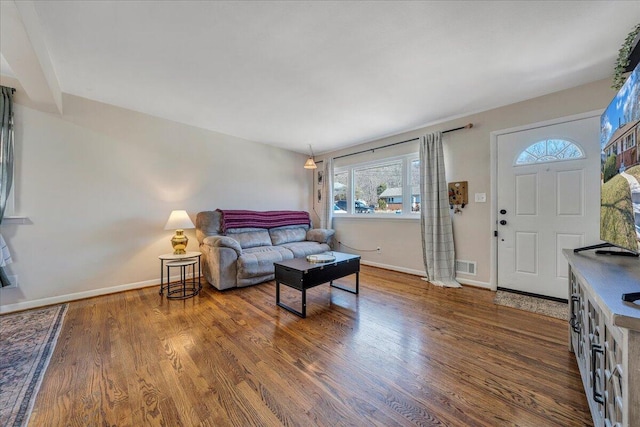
620, 171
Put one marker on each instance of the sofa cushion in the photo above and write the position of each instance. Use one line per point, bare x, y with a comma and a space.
320, 235
283, 235
302, 249
252, 239
258, 261
243, 230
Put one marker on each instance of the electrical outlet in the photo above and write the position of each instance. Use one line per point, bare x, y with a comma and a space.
14, 281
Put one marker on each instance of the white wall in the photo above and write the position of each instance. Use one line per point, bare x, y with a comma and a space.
98, 184
467, 158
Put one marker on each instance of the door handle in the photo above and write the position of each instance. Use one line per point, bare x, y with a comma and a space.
503, 222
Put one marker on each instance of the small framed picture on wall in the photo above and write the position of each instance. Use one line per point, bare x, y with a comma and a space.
320, 178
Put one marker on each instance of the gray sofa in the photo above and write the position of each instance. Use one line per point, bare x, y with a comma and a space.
245, 256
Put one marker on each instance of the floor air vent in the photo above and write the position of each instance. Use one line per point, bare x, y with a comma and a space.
466, 267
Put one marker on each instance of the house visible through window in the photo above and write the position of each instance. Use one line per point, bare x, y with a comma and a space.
385, 187
550, 150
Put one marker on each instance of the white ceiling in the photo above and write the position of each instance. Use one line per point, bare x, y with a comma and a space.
330, 74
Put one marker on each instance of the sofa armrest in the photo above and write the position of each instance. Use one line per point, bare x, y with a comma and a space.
219, 264
320, 235
223, 242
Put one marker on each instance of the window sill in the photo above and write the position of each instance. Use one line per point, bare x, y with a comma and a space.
384, 217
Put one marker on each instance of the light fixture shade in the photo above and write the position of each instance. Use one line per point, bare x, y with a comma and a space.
179, 220
310, 164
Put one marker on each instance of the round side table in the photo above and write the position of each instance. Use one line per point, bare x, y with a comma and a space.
184, 288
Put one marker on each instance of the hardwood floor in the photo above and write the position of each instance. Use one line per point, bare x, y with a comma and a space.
401, 353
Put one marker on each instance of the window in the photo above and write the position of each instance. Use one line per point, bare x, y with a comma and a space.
629, 141
550, 150
387, 187
414, 176
370, 182
340, 192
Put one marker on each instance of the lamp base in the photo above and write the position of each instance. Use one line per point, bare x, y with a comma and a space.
179, 243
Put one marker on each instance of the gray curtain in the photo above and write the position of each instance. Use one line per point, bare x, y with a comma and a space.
327, 194
6, 167
437, 230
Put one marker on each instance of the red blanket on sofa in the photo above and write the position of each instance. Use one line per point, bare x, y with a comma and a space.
262, 219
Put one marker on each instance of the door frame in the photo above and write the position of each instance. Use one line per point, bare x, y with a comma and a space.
493, 259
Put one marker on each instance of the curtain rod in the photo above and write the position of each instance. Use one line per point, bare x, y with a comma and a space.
467, 126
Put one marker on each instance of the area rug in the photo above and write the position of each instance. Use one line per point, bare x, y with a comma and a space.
537, 305
27, 340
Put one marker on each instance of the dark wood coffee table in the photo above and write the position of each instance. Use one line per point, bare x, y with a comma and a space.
302, 275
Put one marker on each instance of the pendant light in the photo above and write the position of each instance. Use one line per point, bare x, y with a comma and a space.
310, 164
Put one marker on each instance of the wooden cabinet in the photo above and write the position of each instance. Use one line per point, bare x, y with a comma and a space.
604, 334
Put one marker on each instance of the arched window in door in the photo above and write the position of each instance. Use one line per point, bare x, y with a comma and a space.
550, 150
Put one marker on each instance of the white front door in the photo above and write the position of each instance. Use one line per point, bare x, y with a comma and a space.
547, 201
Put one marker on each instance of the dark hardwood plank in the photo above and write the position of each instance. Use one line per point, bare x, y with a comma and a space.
403, 352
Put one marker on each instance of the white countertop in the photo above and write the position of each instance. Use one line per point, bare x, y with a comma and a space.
610, 277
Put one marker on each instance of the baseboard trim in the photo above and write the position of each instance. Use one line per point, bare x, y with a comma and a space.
394, 268
474, 283
462, 280
27, 305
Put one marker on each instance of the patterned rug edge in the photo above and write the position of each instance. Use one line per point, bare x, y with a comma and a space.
536, 305
25, 406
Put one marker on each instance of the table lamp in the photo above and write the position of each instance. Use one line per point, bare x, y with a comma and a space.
179, 220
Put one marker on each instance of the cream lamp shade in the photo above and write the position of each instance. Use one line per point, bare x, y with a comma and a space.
310, 164
179, 220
